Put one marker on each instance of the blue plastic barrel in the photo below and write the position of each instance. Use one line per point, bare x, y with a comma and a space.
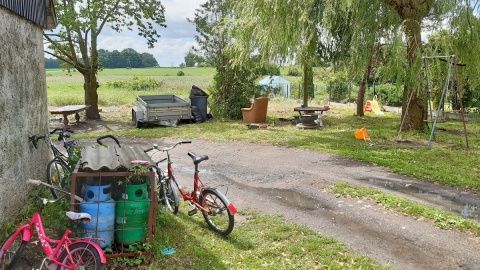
98, 202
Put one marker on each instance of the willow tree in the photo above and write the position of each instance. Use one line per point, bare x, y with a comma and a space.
233, 85
279, 31
460, 19
80, 24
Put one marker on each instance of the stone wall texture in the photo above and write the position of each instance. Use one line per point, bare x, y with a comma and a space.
23, 110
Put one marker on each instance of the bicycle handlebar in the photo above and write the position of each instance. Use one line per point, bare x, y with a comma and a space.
165, 149
99, 140
62, 130
34, 139
38, 183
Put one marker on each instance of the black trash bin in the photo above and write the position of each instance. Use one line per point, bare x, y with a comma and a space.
198, 99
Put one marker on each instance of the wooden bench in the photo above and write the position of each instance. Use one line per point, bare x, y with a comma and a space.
70, 109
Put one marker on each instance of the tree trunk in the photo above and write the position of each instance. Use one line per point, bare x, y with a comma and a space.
363, 85
91, 96
417, 110
412, 13
307, 81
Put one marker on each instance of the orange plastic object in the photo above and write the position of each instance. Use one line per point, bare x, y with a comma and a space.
361, 134
368, 106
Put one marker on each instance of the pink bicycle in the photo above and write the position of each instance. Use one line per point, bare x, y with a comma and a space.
66, 253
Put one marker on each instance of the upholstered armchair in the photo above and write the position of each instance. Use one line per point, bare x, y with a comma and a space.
257, 113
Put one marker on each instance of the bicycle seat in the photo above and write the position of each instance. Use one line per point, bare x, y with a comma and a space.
77, 216
197, 158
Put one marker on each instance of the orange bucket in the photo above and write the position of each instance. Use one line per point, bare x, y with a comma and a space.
361, 134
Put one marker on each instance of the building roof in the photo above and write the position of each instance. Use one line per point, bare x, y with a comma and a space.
41, 12
273, 80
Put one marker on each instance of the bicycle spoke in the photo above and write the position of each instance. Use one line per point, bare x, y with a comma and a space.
218, 215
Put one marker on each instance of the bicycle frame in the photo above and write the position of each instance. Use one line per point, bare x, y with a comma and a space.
198, 187
36, 226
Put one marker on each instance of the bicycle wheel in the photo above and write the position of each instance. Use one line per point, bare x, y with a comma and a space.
9, 255
218, 217
56, 171
169, 195
84, 255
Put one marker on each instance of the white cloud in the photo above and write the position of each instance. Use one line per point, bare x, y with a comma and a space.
168, 51
175, 41
180, 9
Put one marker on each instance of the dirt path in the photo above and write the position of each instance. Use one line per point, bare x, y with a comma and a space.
291, 182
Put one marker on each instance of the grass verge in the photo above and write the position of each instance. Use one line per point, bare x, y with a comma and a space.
259, 242
442, 219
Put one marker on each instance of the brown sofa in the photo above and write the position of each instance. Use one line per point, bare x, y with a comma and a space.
257, 113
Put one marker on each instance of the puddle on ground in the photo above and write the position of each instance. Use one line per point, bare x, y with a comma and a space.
455, 205
288, 197
294, 199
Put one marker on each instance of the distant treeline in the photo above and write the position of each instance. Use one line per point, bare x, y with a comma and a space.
127, 58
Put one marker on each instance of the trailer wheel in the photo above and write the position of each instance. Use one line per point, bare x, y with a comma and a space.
135, 121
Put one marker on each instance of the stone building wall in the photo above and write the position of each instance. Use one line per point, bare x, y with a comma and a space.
23, 109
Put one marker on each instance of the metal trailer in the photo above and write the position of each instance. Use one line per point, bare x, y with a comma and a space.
166, 110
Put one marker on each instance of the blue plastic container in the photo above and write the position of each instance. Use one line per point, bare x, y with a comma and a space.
98, 202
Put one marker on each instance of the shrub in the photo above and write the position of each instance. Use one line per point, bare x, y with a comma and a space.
233, 87
388, 94
180, 73
270, 69
136, 84
294, 72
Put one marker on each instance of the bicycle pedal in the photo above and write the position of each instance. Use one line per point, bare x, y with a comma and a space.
192, 212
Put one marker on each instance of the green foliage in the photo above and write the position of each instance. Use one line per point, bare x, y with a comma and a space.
339, 88
137, 175
233, 87
137, 84
127, 58
293, 71
270, 69
75, 41
128, 262
190, 58
388, 95
72, 160
234, 84
180, 73
212, 40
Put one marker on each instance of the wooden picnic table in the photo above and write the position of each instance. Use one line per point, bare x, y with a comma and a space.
309, 110
70, 109
310, 117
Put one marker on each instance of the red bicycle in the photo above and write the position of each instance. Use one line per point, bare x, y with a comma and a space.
217, 210
66, 253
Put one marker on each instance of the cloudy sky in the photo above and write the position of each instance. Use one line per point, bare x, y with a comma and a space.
175, 41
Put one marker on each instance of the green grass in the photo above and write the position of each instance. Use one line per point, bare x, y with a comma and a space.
261, 241
447, 162
441, 219
67, 89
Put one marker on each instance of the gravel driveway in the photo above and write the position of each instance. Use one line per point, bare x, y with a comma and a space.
290, 182
287, 181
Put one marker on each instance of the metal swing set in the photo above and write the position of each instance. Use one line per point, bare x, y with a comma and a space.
452, 64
